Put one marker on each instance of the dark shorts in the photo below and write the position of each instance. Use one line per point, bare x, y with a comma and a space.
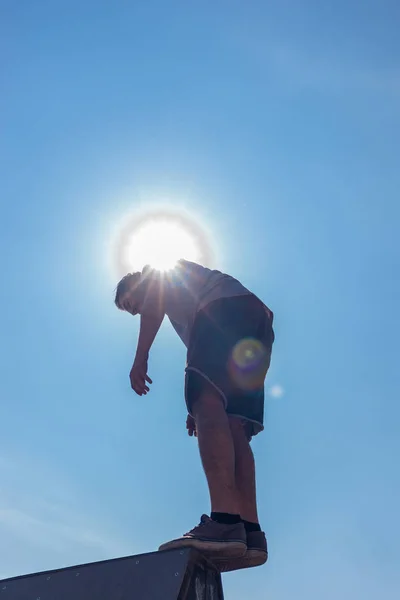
230, 348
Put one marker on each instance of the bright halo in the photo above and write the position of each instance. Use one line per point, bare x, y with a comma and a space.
159, 237
160, 244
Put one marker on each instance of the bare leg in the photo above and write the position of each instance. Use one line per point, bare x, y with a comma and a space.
216, 450
257, 548
244, 472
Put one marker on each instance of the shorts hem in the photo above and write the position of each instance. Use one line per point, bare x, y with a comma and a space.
195, 370
257, 426
260, 426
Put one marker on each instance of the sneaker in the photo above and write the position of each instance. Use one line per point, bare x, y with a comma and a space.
255, 556
213, 539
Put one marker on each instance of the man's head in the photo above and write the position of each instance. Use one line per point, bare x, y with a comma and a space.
125, 296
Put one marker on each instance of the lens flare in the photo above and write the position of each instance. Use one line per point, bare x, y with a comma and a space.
249, 363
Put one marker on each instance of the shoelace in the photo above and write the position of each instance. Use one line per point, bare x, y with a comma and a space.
203, 521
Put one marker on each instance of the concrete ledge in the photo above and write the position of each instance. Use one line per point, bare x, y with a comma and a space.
181, 574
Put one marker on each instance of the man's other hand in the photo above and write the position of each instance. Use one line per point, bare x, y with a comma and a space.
191, 426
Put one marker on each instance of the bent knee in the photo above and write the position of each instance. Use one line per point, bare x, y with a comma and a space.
236, 423
240, 428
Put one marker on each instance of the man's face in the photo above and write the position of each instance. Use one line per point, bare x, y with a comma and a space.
129, 303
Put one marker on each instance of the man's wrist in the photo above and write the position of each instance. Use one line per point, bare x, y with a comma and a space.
141, 356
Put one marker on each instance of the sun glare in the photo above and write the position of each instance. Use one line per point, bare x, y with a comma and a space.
159, 236
161, 243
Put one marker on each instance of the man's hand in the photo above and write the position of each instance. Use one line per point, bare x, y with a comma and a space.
139, 377
191, 426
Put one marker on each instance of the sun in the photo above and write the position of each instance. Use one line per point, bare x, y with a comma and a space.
161, 243
159, 235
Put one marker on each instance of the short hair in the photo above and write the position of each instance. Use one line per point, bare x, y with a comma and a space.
127, 284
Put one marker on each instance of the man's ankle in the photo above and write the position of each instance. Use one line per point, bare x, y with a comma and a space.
226, 518
250, 527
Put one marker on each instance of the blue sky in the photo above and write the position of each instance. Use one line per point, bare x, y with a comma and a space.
277, 123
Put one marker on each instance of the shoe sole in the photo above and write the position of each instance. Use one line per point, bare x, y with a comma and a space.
219, 550
252, 558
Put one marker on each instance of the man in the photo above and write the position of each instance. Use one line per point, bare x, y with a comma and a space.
228, 334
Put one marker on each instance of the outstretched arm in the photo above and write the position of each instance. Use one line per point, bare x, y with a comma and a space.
149, 326
150, 304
